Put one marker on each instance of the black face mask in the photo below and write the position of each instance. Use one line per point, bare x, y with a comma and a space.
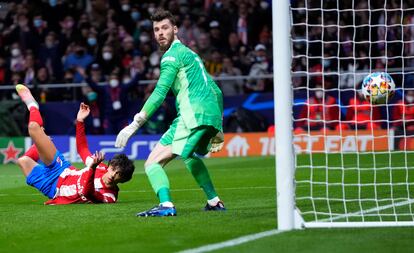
80, 52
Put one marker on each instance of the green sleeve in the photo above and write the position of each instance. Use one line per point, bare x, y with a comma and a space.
168, 73
219, 96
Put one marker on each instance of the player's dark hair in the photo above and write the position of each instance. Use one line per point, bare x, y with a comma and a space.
161, 14
123, 165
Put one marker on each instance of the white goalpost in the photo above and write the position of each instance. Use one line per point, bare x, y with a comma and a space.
340, 161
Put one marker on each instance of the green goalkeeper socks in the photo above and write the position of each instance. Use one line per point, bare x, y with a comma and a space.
159, 182
161, 186
200, 173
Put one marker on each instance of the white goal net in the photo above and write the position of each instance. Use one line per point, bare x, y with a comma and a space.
354, 162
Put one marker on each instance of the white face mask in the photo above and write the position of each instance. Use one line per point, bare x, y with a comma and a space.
318, 94
15, 52
264, 5
113, 83
151, 10
144, 39
125, 7
49, 44
107, 56
154, 59
409, 99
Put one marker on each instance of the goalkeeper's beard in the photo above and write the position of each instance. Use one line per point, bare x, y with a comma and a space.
165, 47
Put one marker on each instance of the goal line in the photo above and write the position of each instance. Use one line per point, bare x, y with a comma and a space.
326, 223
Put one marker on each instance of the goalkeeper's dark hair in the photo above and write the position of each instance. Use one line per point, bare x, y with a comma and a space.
123, 166
161, 14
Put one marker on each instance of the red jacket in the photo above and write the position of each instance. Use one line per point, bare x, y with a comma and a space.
316, 111
361, 112
403, 115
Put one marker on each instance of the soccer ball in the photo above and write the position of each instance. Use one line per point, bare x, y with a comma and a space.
378, 87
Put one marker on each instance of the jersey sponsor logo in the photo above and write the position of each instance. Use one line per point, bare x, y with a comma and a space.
168, 58
67, 190
98, 184
72, 172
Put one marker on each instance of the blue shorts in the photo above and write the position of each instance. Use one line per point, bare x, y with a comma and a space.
45, 178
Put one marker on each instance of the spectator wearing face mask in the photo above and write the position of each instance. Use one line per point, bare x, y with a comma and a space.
125, 17
108, 60
92, 45
79, 58
40, 31
94, 123
20, 32
113, 100
135, 13
260, 67
403, 118
16, 58
321, 111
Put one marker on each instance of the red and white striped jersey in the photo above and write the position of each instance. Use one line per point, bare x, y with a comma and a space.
83, 186
86, 185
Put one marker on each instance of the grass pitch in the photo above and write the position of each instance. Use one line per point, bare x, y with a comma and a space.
245, 184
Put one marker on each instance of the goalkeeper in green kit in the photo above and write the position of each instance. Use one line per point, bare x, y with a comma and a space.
197, 129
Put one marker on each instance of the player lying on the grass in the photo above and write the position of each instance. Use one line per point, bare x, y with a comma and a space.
197, 127
47, 170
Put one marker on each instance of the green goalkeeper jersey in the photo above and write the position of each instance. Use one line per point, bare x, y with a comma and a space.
199, 101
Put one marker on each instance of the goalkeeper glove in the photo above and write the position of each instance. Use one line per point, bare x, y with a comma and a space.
217, 142
126, 133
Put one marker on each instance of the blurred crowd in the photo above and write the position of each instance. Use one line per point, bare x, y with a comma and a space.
334, 50
346, 45
111, 43
62, 41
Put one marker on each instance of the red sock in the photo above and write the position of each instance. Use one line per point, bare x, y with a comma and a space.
32, 153
35, 116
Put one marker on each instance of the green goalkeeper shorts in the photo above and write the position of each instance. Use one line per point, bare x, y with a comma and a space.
186, 141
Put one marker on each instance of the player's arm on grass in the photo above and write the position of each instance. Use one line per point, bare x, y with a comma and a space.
169, 69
